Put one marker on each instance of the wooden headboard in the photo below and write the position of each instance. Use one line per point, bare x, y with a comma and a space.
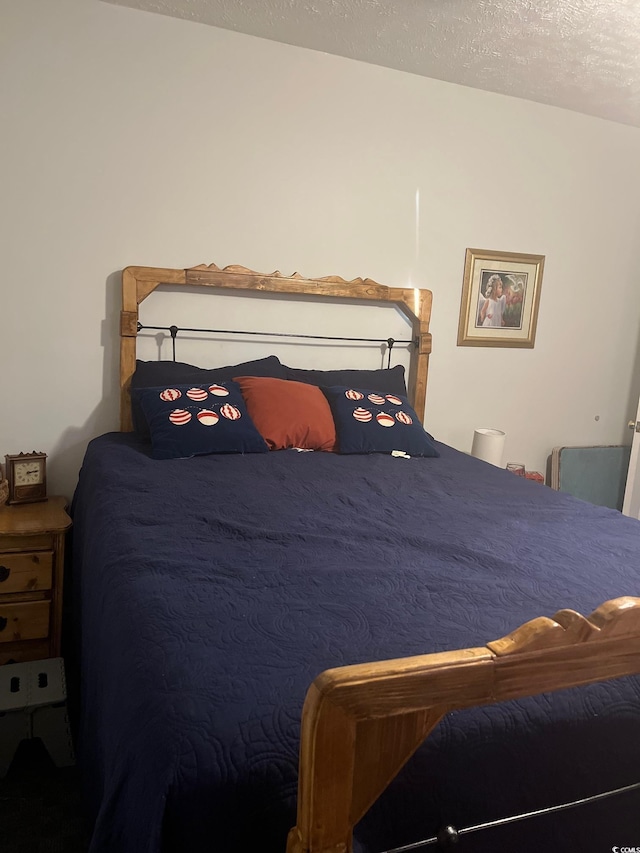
139, 282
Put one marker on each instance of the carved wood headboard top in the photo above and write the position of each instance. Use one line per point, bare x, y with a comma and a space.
139, 282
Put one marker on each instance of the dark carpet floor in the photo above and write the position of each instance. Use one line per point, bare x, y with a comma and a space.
40, 805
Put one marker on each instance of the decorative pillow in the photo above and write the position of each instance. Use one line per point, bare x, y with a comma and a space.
193, 420
368, 422
152, 374
289, 414
389, 381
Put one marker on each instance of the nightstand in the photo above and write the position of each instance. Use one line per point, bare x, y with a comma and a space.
31, 574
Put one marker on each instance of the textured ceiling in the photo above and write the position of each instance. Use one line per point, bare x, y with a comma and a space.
582, 55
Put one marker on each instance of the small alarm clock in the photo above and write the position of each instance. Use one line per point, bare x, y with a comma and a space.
26, 474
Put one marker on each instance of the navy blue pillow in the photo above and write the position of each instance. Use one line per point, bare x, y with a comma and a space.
193, 420
152, 374
369, 422
390, 381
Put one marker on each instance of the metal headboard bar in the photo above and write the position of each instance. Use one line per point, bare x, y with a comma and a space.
173, 331
449, 835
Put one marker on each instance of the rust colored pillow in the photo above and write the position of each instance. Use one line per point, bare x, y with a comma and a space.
288, 414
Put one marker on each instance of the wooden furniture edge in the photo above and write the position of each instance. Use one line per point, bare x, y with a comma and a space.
50, 516
362, 723
139, 282
29, 523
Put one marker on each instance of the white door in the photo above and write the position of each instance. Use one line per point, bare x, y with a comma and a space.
631, 504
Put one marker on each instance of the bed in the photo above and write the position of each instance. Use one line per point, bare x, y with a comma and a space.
214, 593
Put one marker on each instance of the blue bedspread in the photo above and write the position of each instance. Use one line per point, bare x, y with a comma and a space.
211, 591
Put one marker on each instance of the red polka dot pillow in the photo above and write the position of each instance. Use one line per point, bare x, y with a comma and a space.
194, 420
369, 422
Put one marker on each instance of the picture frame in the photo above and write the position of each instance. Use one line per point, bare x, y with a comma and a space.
500, 299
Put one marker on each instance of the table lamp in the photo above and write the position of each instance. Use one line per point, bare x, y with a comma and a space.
488, 444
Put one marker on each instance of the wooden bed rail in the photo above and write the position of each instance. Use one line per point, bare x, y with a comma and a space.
362, 723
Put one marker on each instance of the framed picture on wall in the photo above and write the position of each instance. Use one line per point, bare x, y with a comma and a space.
500, 299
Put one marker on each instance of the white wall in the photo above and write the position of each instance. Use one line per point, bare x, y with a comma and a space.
132, 138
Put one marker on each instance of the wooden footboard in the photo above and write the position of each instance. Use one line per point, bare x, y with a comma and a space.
360, 724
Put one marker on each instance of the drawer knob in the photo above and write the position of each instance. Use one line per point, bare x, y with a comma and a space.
3, 623
5, 571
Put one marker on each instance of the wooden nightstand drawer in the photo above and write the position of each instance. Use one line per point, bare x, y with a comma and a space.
27, 620
25, 572
34, 542
32, 539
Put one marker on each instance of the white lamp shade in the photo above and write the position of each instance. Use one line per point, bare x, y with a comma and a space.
488, 444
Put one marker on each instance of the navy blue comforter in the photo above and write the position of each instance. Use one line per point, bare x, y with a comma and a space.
211, 591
